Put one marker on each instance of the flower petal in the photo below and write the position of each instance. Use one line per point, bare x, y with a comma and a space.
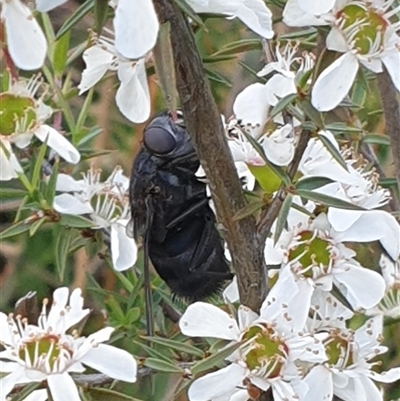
217, 384
320, 384
37, 395
375, 225
364, 286
46, 5
205, 320
8, 382
63, 388
98, 61
390, 376
316, 7
136, 28
111, 361
9, 165
257, 16
58, 143
246, 317
25, 40
294, 15
391, 59
133, 96
334, 82
123, 248
69, 204
251, 107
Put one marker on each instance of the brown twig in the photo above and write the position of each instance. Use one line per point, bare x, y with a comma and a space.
204, 124
391, 111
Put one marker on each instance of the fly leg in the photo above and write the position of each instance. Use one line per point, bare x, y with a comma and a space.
147, 286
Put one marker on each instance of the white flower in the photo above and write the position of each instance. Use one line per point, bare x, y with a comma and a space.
23, 114
34, 353
106, 203
133, 96
347, 373
362, 30
312, 252
253, 13
270, 345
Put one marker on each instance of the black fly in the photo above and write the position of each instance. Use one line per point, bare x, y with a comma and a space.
170, 211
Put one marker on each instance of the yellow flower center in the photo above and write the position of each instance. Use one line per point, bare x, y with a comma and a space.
339, 351
267, 353
311, 251
44, 352
17, 113
364, 26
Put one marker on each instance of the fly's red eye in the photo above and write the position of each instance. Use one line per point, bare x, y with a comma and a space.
159, 141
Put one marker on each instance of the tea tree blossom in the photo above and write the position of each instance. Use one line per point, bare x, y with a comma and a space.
362, 31
347, 373
48, 352
23, 115
107, 205
133, 96
313, 251
269, 346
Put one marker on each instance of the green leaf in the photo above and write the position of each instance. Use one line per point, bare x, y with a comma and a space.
376, 139
70, 220
282, 104
217, 59
335, 153
51, 184
176, 345
311, 112
265, 176
82, 116
214, 76
72, 20
62, 250
14, 230
215, 359
105, 394
327, 200
36, 225
388, 182
248, 210
165, 66
311, 183
304, 33
153, 353
359, 93
38, 165
162, 366
282, 217
341, 128
100, 14
238, 46
185, 7
60, 54
11, 193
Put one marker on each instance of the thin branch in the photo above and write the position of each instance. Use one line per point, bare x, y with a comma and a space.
391, 111
268, 217
205, 127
